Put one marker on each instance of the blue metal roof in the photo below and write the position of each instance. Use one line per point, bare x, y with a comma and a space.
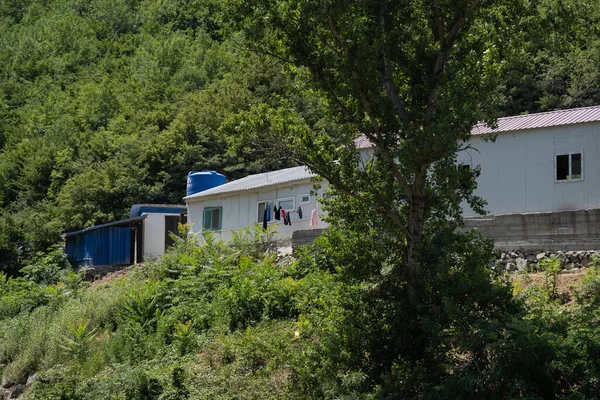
115, 223
139, 209
106, 244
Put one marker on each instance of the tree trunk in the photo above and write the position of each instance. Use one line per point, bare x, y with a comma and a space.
416, 219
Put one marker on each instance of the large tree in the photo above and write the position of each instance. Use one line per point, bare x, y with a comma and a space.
413, 78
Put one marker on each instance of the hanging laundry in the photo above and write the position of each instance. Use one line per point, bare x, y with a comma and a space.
299, 212
283, 215
268, 212
314, 217
288, 221
277, 212
265, 220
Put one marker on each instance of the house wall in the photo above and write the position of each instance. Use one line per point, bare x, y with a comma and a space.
518, 170
154, 235
241, 209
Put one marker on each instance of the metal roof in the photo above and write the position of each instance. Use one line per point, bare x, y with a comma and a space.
138, 209
257, 181
362, 142
523, 122
541, 120
114, 223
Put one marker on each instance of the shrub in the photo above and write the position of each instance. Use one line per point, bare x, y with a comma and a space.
47, 267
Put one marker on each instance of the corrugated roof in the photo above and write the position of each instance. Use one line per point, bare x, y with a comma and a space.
362, 142
523, 122
541, 120
257, 181
122, 222
138, 209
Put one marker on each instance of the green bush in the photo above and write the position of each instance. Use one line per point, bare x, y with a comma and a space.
49, 267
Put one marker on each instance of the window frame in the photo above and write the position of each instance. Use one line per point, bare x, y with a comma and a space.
211, 209
293, 199
302, 202
272, 202
570, 154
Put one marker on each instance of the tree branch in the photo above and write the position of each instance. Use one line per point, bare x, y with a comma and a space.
388, 75
446, 44
334, 179
361, 93
438, 20
383, 148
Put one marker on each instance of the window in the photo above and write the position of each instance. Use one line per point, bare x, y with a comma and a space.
305, 199
287, 204
568, 166
212, 218
464, 175
261, 205
261, 211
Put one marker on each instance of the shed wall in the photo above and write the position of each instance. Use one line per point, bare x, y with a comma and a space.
154, 235
103, 246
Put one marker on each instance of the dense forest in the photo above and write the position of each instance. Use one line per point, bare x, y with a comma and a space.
111, 102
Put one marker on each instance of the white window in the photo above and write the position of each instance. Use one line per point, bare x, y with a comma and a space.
569, 166
287, 204
260, 212
305, 199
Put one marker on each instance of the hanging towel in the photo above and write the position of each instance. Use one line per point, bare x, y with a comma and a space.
314, 217
299, 212
283, 214
288, 220
277, 213
265, 220
268, 212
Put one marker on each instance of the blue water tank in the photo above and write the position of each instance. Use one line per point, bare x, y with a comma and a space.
200, 181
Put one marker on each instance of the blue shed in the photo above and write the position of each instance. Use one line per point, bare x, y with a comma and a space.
113, 243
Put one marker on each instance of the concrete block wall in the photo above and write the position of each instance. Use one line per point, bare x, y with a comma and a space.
550, 231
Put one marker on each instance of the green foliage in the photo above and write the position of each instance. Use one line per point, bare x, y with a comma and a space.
108, 103
164, 313
112, 103
589, 293
79, 339
48, 267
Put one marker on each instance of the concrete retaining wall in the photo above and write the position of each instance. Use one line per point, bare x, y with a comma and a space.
550, 231
305, 236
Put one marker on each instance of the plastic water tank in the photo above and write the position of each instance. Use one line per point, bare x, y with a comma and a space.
200, 181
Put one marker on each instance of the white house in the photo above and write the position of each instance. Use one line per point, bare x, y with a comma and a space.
538, 163
243, 202
540, 176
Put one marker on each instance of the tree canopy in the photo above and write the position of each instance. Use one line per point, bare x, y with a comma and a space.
413, 78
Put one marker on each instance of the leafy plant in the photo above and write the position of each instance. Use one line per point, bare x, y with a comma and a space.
77, 343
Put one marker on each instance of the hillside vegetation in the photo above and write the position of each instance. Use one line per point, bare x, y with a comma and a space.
236, 321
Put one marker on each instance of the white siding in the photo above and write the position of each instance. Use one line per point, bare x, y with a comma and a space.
154, 235
241, 209
518, 169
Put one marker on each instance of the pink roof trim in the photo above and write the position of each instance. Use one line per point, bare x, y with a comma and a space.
541, 120
522, 122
